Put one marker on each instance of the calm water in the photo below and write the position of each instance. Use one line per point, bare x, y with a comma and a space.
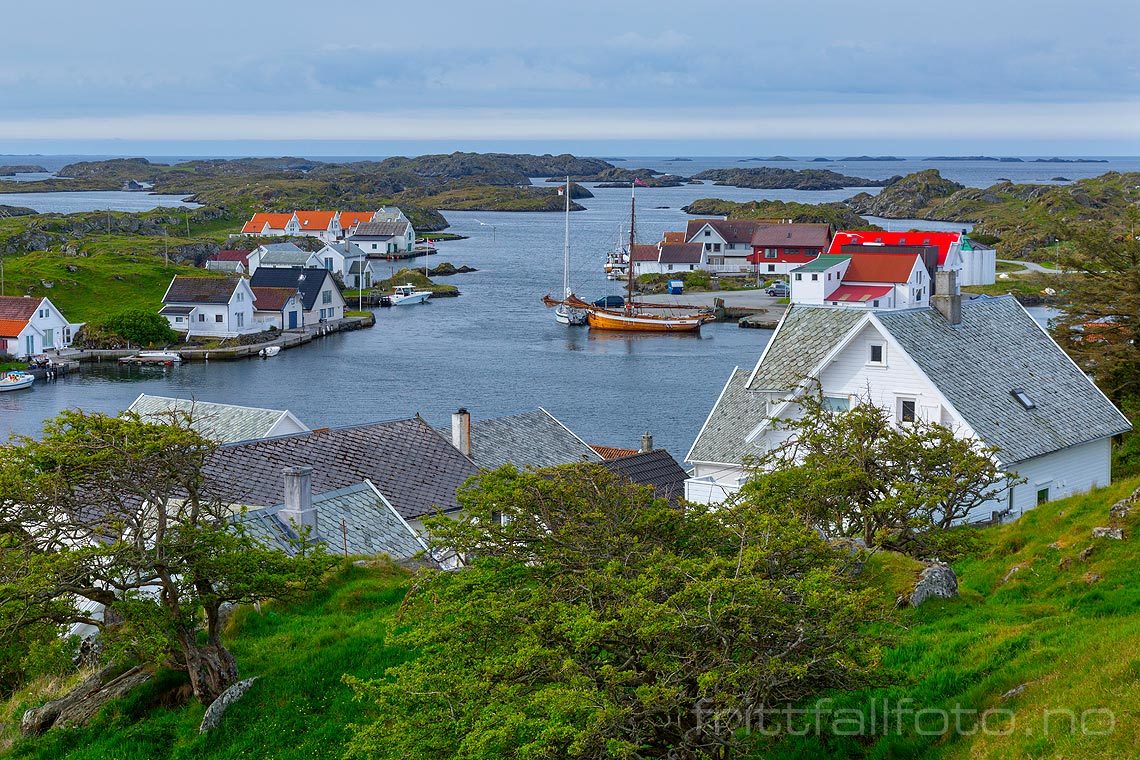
495, 349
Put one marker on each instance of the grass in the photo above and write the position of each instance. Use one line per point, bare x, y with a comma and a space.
299, 707
1009, 266
1064, 627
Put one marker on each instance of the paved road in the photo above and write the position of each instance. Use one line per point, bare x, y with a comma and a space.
1030, 266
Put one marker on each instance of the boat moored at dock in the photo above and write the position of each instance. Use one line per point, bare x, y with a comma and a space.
14, 381
162, 358
404, 295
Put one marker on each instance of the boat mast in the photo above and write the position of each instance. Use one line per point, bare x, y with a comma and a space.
566, 246
629, 258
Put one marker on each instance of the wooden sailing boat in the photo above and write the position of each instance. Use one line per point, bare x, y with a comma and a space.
633, 317
564, 313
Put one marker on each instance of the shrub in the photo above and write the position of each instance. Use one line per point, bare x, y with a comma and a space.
142, 327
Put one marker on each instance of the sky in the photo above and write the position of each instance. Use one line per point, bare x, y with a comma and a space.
348, 77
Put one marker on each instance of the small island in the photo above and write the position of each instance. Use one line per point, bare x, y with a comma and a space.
1059, 160
11, 170
771, 178
872, 158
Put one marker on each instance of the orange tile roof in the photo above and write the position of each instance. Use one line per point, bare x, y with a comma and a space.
18, 307
315, 220
258, 222
612, 452
349, 218
11, 328
880, 267
674, 237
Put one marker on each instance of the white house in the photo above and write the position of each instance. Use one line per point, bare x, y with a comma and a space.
321, 299
350, 220
668, 258
279, 255
220, 307
983, 367
975, 264
272, 225
863, 280
727, 244
385, 237
350, 262
278, 307
324, 225
30, 326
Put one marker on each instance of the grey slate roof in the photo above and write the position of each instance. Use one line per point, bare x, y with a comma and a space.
530, 439
802, 340
416, 468
233, 267
222, 423
655, 468
997, 348
381, 230
281, 247
309, 280
296, 258
371, 525
735, 415
185, 289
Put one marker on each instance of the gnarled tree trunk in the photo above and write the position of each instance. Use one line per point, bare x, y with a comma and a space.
79, 705
211, 667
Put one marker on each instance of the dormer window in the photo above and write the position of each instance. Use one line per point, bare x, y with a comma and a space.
1023, 398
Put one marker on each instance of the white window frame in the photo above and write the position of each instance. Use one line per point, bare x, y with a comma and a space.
882, 357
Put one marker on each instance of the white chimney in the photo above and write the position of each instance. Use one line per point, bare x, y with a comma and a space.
461, 431
646, 442
299, 499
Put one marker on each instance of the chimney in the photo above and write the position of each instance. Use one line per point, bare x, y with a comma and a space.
646, 442
461, 431
947, 299
299, 499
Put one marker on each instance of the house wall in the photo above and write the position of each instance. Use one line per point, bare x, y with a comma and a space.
222, 320
979, 267
805, 289
331, 310
48, 329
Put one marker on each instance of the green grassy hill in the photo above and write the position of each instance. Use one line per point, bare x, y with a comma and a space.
1065, 626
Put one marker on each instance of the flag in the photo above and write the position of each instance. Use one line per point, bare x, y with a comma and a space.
638, 183
561, 191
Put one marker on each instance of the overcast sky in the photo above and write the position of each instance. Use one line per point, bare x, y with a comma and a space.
701, 77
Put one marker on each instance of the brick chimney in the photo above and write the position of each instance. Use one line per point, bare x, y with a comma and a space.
461, 431
646, 442
947, 299
299, 499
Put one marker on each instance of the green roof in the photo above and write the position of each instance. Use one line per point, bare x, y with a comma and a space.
823, 262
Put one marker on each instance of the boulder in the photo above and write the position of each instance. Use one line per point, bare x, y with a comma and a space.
1116, 534
1122, 508
936, 581
219, 706
1014, 692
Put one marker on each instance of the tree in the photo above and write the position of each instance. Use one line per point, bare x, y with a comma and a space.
857, 473
144, 328
595, 620
113, 512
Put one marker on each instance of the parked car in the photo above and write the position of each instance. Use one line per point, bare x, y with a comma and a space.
779, 289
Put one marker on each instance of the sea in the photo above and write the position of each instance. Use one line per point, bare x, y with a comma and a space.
495, 349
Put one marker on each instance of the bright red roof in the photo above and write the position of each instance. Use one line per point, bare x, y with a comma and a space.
315, 220
880, 267
859, 293
231, 255
258, 222
940, 240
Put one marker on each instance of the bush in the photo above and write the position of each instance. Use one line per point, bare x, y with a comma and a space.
145, 328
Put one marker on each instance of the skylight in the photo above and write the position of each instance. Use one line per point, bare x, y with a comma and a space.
1023, 398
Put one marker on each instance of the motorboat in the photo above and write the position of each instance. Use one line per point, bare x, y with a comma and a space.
269, 352
16, 380
403, 295
164, 358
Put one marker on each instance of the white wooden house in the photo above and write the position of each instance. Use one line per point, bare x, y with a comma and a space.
727, 245
279, 255
350, 262
219, 307
272, 225
324, 225
384, 237
278, 307
668, 258
983, 367
30, 326
863, 280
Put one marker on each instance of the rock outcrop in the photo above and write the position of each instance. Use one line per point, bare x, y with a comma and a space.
8, 211
774, 178
219, 706
937, 581
908, 197
1116, 534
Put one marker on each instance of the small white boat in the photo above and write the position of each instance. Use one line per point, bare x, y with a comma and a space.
159, 356
407, 294
269, 351
14, 381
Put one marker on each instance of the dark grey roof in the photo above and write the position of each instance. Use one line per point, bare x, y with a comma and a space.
175, 310
736, 413
222, 423
801, 341
381, 230
185, 289
371, 525
530, 439
310, 281
655, 468
997, 348
416, 468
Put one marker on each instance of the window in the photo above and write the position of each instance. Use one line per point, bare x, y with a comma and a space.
218, 318
178, 319
670, 267
716, 247
837, 403
771, 267
770, 254
799, 277
708, 232
878, 354
326, 296
241, 296
328, 263
875, 303
201, 317
906, 410
1042, 495
1023, 398
322, 313
815, 278
240, 319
